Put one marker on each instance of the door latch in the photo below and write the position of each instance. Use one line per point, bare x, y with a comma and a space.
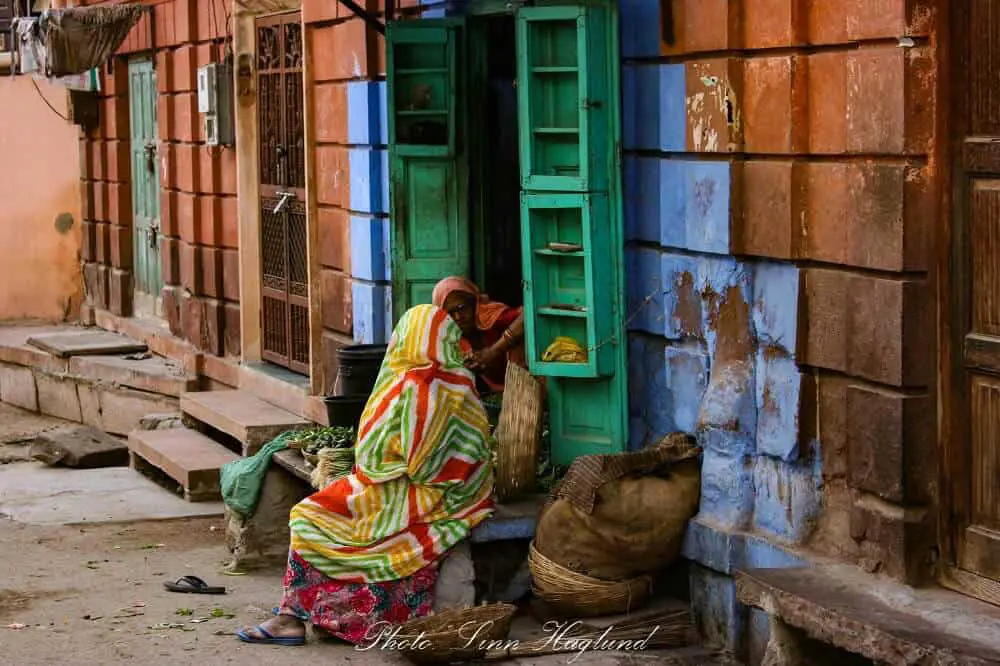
154, 236
150, 153
283, 202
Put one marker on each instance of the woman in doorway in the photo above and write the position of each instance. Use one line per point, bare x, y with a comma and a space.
492, 332
365, 550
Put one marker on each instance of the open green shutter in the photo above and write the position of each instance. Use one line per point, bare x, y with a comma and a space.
572, 240
427, 162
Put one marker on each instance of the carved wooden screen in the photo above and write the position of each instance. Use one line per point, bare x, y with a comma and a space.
285, 298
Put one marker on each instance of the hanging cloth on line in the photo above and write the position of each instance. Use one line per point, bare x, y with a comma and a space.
79, 39
30, 48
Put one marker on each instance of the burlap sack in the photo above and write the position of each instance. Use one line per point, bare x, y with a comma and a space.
638, 518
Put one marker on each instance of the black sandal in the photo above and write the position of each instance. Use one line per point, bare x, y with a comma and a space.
192, 585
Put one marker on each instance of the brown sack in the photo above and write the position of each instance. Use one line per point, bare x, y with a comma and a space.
637, 522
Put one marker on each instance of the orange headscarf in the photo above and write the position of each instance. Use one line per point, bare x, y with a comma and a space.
487, 311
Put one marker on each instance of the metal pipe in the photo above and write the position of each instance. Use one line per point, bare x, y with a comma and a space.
368, 18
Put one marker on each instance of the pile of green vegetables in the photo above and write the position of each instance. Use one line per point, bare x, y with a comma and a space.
314, 440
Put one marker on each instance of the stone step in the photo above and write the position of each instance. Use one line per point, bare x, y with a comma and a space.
186, 456
240, 415
154, 374
851, 611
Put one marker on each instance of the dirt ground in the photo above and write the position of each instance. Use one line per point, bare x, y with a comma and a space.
94, 595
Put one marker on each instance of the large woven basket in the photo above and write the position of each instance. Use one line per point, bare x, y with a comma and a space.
577, 595
451, 636
518, 435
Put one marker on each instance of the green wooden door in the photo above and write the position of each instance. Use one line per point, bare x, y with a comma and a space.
571, 212
145, 178
427, 161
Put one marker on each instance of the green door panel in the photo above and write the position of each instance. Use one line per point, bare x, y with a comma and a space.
143, 137
427, 219
586, 418
428, 167
564, 98
569, 114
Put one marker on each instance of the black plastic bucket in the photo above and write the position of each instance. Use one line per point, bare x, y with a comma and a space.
345, 411
358, 367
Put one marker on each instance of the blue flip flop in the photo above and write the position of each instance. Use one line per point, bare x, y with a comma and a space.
266, 638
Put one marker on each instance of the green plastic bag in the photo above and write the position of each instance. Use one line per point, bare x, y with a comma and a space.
241, 480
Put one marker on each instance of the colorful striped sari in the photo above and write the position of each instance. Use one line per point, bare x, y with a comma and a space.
422, 477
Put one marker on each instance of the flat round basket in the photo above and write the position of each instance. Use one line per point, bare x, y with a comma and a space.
578, 595
455, 635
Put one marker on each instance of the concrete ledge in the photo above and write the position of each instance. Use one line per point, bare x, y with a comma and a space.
725, 551
514, 520
878, 619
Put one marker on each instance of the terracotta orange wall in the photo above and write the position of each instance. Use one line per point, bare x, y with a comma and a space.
40, 219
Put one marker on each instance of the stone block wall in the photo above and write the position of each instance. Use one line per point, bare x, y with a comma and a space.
199, 219
780, 210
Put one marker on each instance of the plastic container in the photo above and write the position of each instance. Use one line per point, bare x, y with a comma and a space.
358, 367
345, 410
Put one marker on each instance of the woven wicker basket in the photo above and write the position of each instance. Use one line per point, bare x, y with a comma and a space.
446, 637
518, 435
577, 595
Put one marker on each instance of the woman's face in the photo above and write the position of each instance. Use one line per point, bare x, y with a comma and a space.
461, 307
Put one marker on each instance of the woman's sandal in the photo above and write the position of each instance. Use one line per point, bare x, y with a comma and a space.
266, 638
192, 585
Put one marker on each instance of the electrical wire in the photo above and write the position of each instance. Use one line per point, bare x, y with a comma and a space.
47, 103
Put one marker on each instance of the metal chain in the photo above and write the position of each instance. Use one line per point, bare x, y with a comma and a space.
614, 338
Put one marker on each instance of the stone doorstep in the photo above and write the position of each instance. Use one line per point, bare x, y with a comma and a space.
240, 414
875, 617
187, 456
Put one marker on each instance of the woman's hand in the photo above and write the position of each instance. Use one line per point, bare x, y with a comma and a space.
482, 359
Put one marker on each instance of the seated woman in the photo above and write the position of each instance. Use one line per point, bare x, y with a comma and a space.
365, 550
492, 332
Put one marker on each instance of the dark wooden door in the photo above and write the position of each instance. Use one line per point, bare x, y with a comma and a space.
975, 275
284, 259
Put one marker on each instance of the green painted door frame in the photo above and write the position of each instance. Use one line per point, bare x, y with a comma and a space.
569, 119
143, 137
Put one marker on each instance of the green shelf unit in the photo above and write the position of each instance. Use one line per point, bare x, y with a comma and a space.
567, 294
564, 98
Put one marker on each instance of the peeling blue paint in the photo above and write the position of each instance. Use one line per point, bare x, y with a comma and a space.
775, 305
778, 391
674, 268
787, 498
687, 378
726, 489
